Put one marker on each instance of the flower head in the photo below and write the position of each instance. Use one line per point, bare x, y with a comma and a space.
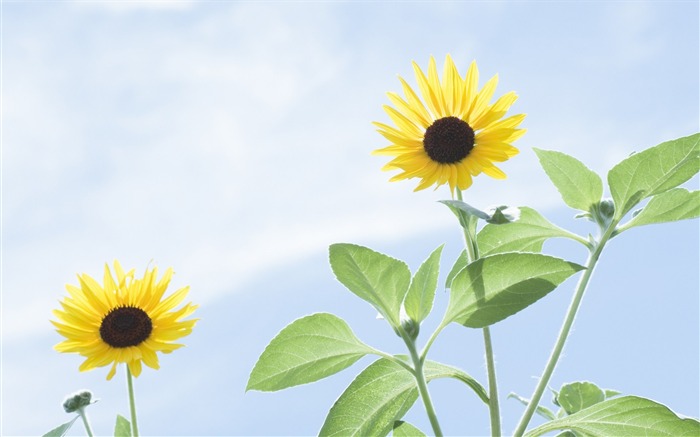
453, 133
125, 320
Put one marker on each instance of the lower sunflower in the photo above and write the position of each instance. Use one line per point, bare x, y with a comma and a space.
125, 320
454, 133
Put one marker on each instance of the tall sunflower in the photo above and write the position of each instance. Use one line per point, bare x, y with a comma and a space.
453, 133
126, 320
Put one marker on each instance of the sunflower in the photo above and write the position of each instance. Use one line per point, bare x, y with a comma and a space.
125, 321
453, 133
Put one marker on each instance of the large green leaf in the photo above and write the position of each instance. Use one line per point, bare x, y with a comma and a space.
380, 395
307, 350
672, 205
379, 279
525, 235
497, 286
60, 430
405, 429
576, 396
578, 185
459, 264
653, 171
627, 416
421, 293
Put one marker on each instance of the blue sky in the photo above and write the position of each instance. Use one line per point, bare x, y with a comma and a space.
231, 141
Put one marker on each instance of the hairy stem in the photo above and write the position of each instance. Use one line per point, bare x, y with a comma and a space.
422, 383
564, 331
494, 409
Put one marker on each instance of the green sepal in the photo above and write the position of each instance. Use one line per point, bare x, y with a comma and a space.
653, 171
61, 430
308, 349
580, 187
405, 429
122, 428
377, 278
497, 286
627, 416
421, 293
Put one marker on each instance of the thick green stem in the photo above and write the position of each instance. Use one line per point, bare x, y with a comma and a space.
83, 415
494, 409
564, 332
132, 403
422, 384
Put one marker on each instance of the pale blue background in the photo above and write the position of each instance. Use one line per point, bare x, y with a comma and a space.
231, 141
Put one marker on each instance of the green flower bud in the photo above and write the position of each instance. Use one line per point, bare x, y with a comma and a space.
603, 212
77, 401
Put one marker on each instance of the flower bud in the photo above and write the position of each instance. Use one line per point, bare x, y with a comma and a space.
77, 401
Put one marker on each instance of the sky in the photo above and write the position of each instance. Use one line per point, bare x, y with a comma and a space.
232, 140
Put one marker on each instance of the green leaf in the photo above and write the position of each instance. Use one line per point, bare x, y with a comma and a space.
405, 429
653, 171
60, 430
122, 428
380, 395
576, 396
578, 185
526, 235
627, 416
497, 286
459, 264
379, 279
419, 300
542, 411
611, 393
672, 205
307, 350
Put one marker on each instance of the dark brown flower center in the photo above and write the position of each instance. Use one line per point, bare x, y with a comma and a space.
448, 140
125, 326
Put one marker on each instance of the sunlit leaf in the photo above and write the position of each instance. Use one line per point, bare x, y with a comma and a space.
497, 286
122, 428
459, 264
653, 171
380, 395
405, 429
379, 279
627, 416
576, 396
672, 205
419, 299
528, 234
61, 430
579, 186
307, 350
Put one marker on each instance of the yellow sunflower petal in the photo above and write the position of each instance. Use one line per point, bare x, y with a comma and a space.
454, 102
89, 319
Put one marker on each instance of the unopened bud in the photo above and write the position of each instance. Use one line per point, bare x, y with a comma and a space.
77, 400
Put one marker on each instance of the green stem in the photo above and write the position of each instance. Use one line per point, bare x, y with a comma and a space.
83, 415
132, 403
422, 384
564, 332
494, 409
